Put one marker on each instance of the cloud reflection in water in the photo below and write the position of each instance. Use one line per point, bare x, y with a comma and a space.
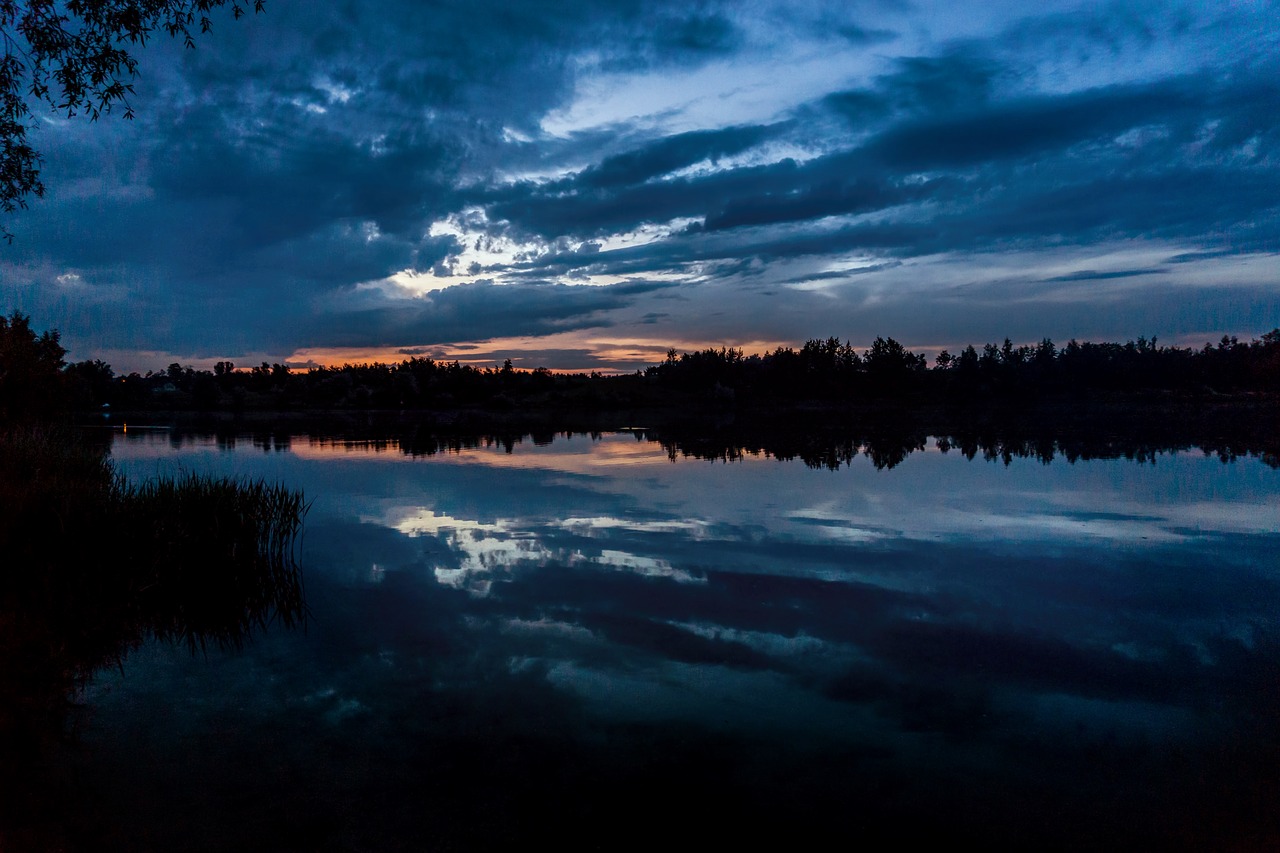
973, 630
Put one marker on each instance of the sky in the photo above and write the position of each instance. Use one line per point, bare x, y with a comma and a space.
584, 185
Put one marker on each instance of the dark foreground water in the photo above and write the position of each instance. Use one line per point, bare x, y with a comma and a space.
601, 643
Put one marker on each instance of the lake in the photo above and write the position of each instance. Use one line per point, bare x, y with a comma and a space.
605, 641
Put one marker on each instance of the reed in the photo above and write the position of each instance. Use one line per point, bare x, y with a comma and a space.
214, 558
91, 566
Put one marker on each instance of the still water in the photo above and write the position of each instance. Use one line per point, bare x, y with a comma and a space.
601, 643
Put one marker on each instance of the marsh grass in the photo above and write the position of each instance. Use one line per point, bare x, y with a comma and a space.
91, 566
214, 557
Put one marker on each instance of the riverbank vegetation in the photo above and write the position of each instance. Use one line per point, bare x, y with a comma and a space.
820, 372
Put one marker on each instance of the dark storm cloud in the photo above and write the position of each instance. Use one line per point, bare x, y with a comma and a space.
605, 197
1212, 203
1036, 127
288, 181
816, 201
863, 36
1039, 156
1235, 203
672, 153
732, 249
939, 83
842, 275
576, 207
1191, 257
1095, 275
696, 34
860, 107
751, 195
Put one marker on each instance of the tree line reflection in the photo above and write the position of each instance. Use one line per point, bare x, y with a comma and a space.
819, 441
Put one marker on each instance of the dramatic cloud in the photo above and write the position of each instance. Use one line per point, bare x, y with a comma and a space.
569, 177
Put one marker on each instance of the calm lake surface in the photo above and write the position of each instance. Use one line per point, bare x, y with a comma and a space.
603, 643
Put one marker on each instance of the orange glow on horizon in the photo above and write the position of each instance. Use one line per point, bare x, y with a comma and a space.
579, 454
602, 355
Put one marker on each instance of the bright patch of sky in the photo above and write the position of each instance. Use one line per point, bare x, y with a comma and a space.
748, 89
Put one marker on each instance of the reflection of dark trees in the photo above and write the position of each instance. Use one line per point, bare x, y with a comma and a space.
826, 448
820, 439
91, 566
1098, 433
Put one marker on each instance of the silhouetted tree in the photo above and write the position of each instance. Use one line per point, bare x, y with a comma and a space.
891, 368
92, 383
31, 383
74, 56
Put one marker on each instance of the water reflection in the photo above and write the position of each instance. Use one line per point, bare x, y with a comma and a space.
819, 441
93, 566
576, 639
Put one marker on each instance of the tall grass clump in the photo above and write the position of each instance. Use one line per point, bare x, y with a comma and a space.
90, 566
216, 557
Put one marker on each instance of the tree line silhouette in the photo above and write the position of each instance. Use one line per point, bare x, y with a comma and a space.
828, 370
35, 379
